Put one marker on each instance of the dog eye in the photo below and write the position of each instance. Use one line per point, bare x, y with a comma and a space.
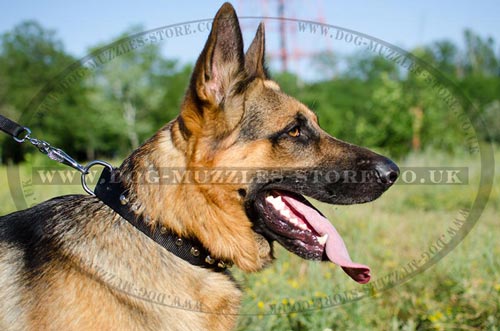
294, 132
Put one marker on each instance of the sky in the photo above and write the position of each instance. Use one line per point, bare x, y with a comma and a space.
82, 24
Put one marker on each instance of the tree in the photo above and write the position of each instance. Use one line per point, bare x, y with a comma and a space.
30, 56
135, 92
369, 67
480, 56
445, 56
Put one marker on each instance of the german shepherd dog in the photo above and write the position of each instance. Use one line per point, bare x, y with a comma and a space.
73, 263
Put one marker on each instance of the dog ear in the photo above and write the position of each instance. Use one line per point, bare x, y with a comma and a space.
255, 56
222, 60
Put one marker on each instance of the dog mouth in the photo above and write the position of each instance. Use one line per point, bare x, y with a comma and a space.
299, 227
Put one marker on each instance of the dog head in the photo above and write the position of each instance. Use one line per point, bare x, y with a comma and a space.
234, 117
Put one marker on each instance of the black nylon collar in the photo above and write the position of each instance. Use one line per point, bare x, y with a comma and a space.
110, 190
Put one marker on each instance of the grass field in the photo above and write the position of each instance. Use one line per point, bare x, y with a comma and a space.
395, 235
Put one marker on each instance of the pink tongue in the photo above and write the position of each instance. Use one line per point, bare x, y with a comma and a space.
335, 247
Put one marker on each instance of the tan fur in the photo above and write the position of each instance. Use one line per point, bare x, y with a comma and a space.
272, 85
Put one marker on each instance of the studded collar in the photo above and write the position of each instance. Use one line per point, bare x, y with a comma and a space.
111, 191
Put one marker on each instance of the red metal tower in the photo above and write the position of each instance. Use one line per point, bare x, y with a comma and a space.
287, 32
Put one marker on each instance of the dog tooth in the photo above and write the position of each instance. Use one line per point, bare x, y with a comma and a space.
278, 204
285, 212
298, 223
322, 240
270, 198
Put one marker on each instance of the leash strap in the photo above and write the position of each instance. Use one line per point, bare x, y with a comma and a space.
110, 190
12, 128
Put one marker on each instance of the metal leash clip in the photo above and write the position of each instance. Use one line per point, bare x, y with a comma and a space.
61, 156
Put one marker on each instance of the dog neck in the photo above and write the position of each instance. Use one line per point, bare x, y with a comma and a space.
111, 190
154, 175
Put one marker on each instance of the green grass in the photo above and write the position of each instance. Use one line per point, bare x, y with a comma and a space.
460, 292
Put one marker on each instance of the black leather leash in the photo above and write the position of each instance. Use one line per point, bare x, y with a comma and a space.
111, 191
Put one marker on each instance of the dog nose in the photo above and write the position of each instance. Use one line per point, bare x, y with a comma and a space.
387, 172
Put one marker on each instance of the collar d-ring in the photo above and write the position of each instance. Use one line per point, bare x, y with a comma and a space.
86, 171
